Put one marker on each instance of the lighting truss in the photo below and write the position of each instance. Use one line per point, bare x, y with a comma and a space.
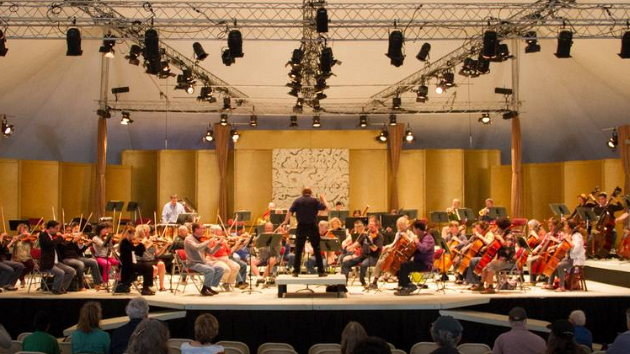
188, 20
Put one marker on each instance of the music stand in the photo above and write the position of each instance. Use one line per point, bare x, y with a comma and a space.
378, 215
340, 214
411, 213
466, 214
497, 212
329, 245
277, 219
587, 214
339, 234
522, 242
134, 207
243, 215
559, 209
13, 224
185, 217
439, 217
389, 220
349, 224
114, 206
267, 240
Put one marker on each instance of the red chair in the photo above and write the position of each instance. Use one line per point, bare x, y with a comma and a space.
518, 227
36, 254
184, 270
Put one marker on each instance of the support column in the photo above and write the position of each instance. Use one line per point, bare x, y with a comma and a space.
101, 149
394, 146
516, 204
222, 143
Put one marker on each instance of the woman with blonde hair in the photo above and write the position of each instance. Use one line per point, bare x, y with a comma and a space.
89, 338
151, 336
206, 329
351, 336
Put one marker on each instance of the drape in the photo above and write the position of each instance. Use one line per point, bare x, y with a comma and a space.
395, 143
517, 177
101, 166
624, 152
222, 140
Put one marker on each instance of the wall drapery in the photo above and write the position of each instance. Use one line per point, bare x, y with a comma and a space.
624, 152
517, 177
222, 139
395, 147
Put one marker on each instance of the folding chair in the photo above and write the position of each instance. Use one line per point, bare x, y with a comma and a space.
423, 348
320, 347
232, 344
398, 351
473, 348
518, 227
266, 346
37, 272
510, 277
180, 258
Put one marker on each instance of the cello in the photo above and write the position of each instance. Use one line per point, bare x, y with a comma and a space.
445, 261
473, 249
400, 253
552, 263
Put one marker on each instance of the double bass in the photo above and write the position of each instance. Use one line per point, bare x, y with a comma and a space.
602, 240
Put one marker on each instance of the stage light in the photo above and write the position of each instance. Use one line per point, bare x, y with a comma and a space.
118, 90
422, 94
227, 58
295, 75
392, 119
510, 114
440, 88
490, 44
320, 96
235, 135
316, 105
295, 92
206, 95
7, 129
293, 122
126, 118
565, 41
108, 46
625, 46
448, 79
532, 42
396, 102
151, 45
394, 50
321, 20
485, 119
186, 82
382, 136
73, 41
320, 86
483, 65
363, 121
612, 143
299, 106
503, 53
104, 113
223, 120
316, 122
227, 104
209, 135
200, 54
327, 61
235, 43
3, 45
253, 120
423, 54
296, 58
503, 91
409, 138
469, 68
134, 52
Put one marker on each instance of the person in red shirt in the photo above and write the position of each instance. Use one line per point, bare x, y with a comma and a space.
221, 258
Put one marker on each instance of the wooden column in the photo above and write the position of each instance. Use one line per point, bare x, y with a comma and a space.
101, 149
516, 204
222, 143
394, 146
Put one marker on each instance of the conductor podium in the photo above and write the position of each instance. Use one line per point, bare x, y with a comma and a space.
306, 279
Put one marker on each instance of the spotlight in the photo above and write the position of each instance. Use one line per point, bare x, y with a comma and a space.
612, 143
469, 68
363, 121
296, 57
227, 58
235, 43
320, 86
316, 122
209, 135
165, 70
422, 94
490, 43
320, 96
382, 136
227, 104
7, 129
235, 135
151, 45
392, 119
321, 20
104, 113
3, 45
503, 53
625, 46
327, 61
206, 95
186, 82
73, 40
503, 91
126, 118
532, 42
293, 122
440, 88
394, 50
409, 135
448, 79
509, 115
485, 119
565, 41
295, 92
200, 54
224, 120
295, 75
423, 54
118, 90
134, 52
108, 46
253, 120
483, 65
396, 102
316, 105
299, 106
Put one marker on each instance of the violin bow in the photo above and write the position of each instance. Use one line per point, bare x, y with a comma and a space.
86, 223
4, 225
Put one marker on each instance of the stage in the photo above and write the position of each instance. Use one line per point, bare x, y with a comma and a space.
303, 319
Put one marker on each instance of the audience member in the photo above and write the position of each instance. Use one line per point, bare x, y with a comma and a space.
137, 309
518, 340
372, 345
40, 341
621, 345
351, 336
89, 338
5, 338
562, 339
151, 336
582, 334
446, 333
206, 329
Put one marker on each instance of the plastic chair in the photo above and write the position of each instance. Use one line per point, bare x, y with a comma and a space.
177, 342
329, 351
320, 347
585, 348
473, 348
174, 350
279, 351
65, 347
233, 350
23, 335
397, 351
23, 352
391, 346
272, 345
16, 346
423, 348
232, 344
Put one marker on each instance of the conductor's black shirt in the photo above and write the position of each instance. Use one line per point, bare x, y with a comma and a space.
306, 209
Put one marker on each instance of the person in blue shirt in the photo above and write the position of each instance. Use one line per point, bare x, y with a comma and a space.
621, 345
89, 338
582, 334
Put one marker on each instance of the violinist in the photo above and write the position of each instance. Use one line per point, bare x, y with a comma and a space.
22, 244
266, 216
221, 258
51, 260
575, 257
103, 250
371, 245
235, 256
544, 246
402, 232
148, 250
10, 271
356, 213
72, 255
422, 260
505, 257
195, 259
349, 249
481, 231
130, 267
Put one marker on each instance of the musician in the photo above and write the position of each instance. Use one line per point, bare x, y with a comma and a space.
603, 206
481, 231
505, 257
371, 244
21, 251
402, 232
338, 206
240, 246
171, 210
221, 258
306, 208
266, 257
554, 235
130, 266
103, 250
581, 203
575, 257
536, 230
266, 216
148, 253
452, 210
10, 271
422, 260
195, 259
356, 213
72, 254
349, 249
484, 213
51, 260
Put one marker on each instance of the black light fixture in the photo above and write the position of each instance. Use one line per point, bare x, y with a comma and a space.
200, 54
363, 121
440, 88
503, 91
510, 114
327, 61
3, 44
408, 137
612, 143
392, 119
423, 54
396, 102
165, 70
253, 120
186, 82
316, 122
565, 41
223, 121
485, 119
422, 94
321, 20
625, 46
104, 112
227, 58
320, 96
118, 90
227, 104
503, 53
448, 78
394, 49
205, 95
293, 123
469, 68
483, 65
235, 135
209, 134
382, 136
152, 45
296, 57
316, 106
299, 106
126, 118
532, 42
134, 53
73, 41
235, 44
490, 44
7, 129
108, 46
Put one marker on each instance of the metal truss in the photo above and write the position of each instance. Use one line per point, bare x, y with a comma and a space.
189, 20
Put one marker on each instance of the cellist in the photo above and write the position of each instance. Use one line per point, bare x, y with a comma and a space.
554, 235
504, 258
455, 231
481, 231
402, 232
575, 257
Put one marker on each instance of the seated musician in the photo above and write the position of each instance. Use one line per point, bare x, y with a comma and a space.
10, 271
481, 231
241, 258
422, 260
335, 224
102, 250
553, 236
71, 249
484, 213
171, 210
455, 232
51, 260
196, 260
130, 267
575, 257
536, 230
21, 247
266, 256
356, 213
452, 210
148, 252
266, 216
505, 257
371, 245
221, 258
349, 249
402, 232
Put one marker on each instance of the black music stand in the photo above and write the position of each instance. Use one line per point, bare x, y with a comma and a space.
185, 217
340, 214
439, 217
329, 245
497, 212
466, 214
339, 234
389, 220
322, 218
114, 205
587, 214
243, 215
351, 220
522, 242
276, 218
267, 240
559, 209
13, 224
249, 250
134, 207
411, 213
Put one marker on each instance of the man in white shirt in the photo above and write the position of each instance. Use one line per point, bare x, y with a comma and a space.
171, 210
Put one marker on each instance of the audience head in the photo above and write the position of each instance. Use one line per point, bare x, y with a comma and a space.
372, 345
137, 308
89, 317
351, 336
517, 316
561, 338
577, 318
41, 321
151, 336
446, 332
206, 328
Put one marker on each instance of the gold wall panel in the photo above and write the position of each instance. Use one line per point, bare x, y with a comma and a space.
10, 189
613, 175
368, 180
39, 189
500, 188
444, 178
580, 177
477, 164
252, 180
77, 182
143, 179
207, 182
118, 187
412, 181
176, 175
542, 184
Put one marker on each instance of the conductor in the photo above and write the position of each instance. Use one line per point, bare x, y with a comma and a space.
306, 208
